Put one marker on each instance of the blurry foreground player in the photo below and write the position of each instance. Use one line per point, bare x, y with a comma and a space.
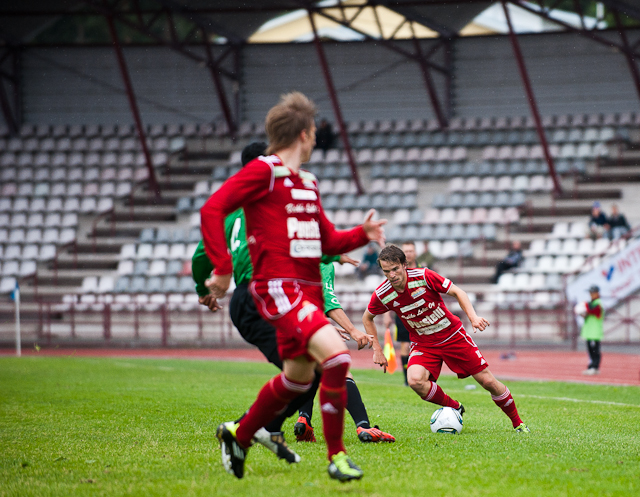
261, 333
243, 312
287, 232
437, 335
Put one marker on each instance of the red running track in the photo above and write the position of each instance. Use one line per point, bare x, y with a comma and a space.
616, 368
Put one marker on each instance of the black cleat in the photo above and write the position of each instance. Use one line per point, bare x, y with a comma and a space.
461, 409
275, 443
233, 454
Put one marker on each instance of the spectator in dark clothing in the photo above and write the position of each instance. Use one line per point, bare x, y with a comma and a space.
513, 259
426, 259
618, 224
598, 224
324, 136
369, 264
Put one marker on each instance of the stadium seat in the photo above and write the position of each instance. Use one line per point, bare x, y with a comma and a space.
157, 267
560, 230
570, 246
89, 284
479, 215
106, 284
177, 251
432, 216
47, 252
161, 250
125, 267
174, 267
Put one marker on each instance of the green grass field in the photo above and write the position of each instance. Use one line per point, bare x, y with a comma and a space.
78, 426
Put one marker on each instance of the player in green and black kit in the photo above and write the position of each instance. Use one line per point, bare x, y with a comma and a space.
332, 308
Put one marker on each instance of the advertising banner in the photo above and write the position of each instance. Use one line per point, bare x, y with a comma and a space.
617, 277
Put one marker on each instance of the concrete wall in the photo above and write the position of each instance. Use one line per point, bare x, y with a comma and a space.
570, 74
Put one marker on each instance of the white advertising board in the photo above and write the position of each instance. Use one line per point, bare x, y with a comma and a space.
617, 277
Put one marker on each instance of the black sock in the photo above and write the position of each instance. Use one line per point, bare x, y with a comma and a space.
355, 406
297, 403
405, 366
307, 411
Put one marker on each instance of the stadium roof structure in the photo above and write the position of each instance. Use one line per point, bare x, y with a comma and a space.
223, 27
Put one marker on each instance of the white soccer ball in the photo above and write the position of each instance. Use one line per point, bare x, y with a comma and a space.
580, 309
446, 420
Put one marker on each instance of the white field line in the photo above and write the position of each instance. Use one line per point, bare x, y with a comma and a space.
586, 401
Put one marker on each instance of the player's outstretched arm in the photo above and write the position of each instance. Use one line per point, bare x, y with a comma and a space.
344, 258
340, 317
211, 302
478, 323
370, 328
374, 229
201, 268
218, 285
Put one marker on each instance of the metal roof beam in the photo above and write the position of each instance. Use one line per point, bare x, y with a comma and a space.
179, 47
386, 42
526, 81
587, 33
625, 8
205, 23
124, 72
333, 95
414, 16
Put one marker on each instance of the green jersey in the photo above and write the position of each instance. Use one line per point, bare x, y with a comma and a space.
328, 273
236, 234
593, 327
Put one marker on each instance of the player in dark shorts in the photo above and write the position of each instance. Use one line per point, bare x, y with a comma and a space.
366, 433
402, 335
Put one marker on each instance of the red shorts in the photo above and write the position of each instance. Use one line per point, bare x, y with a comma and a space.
459, 352
295, 309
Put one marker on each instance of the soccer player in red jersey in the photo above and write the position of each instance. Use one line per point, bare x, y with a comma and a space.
436, 334
287, 232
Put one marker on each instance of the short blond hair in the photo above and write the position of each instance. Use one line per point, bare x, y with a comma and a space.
286, 120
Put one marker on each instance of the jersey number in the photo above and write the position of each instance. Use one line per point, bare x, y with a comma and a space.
235, 243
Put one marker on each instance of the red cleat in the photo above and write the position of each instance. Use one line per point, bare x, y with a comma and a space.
304, 431
374, 435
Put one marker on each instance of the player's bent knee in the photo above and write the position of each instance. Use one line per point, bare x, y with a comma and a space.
486, 380
417, 379
326, 343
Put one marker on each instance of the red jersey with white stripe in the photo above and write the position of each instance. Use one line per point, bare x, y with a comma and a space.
420, 306
287, 229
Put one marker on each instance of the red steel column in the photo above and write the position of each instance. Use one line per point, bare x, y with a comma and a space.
153, 183
222, 97
532, 101
334, 102
628, 52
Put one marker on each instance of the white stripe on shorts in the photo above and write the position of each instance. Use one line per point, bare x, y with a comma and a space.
279, 297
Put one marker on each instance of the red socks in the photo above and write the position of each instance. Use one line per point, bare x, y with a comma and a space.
272, 399
437, 396
333, 399
508, 405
